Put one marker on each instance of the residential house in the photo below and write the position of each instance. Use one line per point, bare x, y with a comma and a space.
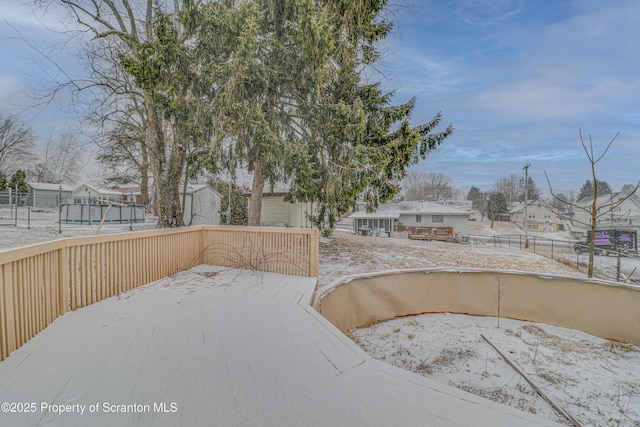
539, 218
625, 214
88, 195
130, 195
413, 216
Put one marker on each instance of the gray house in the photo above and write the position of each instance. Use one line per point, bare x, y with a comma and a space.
418, 218
44, 195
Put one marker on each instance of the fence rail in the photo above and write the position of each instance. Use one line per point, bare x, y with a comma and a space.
41, 282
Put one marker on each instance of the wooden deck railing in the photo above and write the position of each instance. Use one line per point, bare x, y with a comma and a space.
41, 282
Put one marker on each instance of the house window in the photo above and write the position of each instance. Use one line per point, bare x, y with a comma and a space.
418, 218
437, 218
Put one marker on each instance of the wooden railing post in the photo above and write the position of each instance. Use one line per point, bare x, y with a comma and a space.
8, 326
63, 280
314, 252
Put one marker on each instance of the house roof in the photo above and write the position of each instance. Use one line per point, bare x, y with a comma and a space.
44, 186
376, 215
128, 190
519, 206
194, 188
411, 208
437, 208
98, 190
602, 199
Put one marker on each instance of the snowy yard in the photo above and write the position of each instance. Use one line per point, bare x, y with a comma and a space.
594, 380
44, 227
212, 346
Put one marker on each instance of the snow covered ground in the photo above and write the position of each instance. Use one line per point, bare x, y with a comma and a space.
43, 227
220, 347
596, 381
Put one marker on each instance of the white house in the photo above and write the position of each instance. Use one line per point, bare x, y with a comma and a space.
201, 205
48, 195
539, 218
88, 194
625, 214
415, 215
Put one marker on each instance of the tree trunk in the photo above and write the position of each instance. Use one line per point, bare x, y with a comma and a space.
255, 202
166, 172
171, 214
594, 219
144, 176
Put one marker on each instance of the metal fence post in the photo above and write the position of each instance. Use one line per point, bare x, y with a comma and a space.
60, 210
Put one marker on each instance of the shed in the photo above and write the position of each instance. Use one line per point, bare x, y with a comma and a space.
46, 195
201, 205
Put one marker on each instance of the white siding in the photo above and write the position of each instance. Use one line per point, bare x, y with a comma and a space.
275, 211
299, 214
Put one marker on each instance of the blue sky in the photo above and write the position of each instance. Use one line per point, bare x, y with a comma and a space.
516, 78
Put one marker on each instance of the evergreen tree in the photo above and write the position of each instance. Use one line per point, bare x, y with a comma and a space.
3, 181
496, 205
532, 191
357, 144
587, 189
237, 204
19, 179
476, 196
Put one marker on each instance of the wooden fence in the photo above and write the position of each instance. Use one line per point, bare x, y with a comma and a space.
41, 282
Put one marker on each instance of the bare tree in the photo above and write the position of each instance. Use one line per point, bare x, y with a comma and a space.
126, 26
594, 211
413, 186
17, 143
431, 186
509, 187
118, 111
61, 161
513, 188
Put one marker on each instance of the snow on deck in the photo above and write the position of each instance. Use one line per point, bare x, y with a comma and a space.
219, 347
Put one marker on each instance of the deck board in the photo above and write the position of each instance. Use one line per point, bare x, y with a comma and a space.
234, 349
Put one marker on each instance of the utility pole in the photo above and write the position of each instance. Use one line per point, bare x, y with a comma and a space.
526, 203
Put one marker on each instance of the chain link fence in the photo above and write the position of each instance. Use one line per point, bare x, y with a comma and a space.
610, 265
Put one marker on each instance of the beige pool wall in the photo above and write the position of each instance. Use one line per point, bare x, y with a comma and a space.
605, 309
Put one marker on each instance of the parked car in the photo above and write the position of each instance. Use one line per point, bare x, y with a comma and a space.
609, 241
